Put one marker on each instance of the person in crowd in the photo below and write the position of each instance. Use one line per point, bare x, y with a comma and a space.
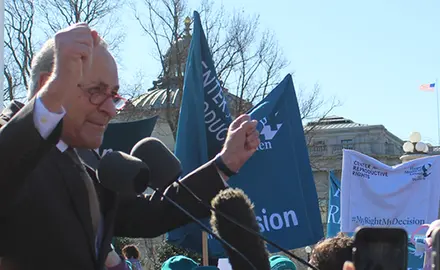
280, 262
115, 262
332, 253
181, 262
48, 200
131, 254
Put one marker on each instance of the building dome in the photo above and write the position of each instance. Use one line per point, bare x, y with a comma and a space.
156, 99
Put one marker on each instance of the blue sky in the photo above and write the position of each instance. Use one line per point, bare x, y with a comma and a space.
372, 55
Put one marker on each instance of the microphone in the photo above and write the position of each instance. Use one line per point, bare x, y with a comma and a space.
118, 165
123, 173
164, 166
235, 204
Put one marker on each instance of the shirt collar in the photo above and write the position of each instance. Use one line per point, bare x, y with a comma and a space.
62, 146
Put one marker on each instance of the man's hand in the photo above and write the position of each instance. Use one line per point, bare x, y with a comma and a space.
241, 142
73, 57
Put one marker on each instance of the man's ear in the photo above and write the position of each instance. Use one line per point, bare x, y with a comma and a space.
44, 77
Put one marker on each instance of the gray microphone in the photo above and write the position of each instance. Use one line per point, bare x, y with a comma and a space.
123, 173
164, 166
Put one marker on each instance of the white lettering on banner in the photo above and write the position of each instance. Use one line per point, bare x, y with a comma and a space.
215, 124
214, 127
334, 209
268, 135
264, 146
276, 221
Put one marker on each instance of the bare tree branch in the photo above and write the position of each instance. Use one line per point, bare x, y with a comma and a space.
58, 14
20, 24
18, 43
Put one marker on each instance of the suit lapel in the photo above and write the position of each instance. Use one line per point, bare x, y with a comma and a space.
73, 177
108, 200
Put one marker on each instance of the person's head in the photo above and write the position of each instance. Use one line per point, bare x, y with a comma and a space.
179, 263
332, 253
88, 114
130, 252
280, 262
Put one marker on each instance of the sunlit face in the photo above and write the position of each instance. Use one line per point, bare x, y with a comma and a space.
85, 123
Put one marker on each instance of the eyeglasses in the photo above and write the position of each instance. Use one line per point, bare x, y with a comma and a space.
98, 96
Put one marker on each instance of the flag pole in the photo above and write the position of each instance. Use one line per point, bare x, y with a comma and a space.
438, 116
205, 256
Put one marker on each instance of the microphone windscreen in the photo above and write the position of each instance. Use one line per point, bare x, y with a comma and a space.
164, 166
123, 173
235, 204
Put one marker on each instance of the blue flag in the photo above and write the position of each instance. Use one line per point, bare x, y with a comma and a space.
415, 258
123, 136
278, 178
203, 122
334, 205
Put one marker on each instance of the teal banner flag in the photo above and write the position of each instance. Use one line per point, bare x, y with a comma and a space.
278, 177
203, 125
123, 136
334, 201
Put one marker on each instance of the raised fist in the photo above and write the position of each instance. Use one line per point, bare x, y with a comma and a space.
241, 142
74, 52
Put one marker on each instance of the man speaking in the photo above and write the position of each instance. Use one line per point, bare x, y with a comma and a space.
53, 215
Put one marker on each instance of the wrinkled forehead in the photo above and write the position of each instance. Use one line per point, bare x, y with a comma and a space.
104, 68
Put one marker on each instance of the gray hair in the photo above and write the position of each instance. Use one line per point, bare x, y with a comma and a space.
43, 62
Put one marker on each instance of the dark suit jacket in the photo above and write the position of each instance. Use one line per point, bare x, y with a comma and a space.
44, 216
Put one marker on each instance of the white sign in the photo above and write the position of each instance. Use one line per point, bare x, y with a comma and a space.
374, 194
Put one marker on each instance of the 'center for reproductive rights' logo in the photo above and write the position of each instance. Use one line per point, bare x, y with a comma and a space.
419, 172
268, 132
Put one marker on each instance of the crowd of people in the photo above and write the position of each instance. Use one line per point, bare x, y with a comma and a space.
332, 253
329, 254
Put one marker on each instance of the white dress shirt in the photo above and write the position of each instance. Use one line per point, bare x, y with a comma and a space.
46, 121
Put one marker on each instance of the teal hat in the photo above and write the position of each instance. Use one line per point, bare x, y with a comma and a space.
279, 262
179, 263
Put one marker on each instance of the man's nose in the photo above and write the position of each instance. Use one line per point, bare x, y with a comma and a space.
108, 107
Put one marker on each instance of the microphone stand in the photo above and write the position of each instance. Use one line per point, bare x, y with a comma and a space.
244, 227
205, 227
